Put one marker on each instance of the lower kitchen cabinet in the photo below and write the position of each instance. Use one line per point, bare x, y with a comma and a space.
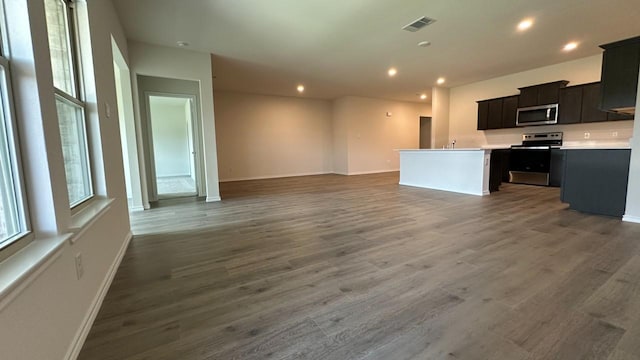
498, 169
556, 168
595, 180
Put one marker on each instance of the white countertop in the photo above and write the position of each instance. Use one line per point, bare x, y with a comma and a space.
428, 150
582, 145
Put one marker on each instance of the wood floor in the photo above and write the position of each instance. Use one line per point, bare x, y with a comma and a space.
333, 267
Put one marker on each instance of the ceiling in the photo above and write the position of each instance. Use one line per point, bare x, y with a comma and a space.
344, 47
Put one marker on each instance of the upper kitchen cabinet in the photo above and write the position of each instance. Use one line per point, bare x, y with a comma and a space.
620, 63
509, 111
590, 110
570, 105
497, 113
483, 115
542, 94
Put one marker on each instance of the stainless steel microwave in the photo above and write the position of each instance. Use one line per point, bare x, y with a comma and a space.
537, 115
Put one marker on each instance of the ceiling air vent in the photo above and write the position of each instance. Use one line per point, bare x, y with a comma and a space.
419, 24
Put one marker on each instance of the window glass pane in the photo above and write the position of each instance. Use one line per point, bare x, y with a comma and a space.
74, 150
10, 217
59, 45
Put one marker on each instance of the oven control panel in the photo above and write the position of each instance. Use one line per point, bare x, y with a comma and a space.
550, 138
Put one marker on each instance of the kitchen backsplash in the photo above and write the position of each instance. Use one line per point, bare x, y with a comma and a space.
613, 132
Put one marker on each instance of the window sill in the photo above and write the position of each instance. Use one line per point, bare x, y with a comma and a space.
84, 218
19, 270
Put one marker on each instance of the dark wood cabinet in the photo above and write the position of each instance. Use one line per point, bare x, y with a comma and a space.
617, 117
509, 111
495, 114
576, 104
620, 63
542, 94
556, 167
590, 101
498, 168
528, 97
570, 105
580, 104
483, 115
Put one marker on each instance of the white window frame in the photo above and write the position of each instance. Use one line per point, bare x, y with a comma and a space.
16, 242
78, 86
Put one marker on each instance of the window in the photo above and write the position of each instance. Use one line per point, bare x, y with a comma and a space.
13, 222
69, 101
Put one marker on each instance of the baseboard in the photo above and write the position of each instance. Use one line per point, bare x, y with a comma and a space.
372, 172
213, 199
633, 219
273, 176
90, 317
136, 208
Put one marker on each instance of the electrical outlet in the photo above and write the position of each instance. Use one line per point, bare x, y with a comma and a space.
79, 266
587, 135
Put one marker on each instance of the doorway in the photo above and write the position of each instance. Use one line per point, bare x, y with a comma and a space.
128, 136
173, 145
425, 132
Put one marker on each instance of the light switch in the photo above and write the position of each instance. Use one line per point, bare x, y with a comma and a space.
107, 110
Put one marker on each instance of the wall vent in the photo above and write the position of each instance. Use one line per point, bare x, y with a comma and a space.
418, 24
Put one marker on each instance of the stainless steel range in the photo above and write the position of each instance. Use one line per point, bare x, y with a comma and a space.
529, 163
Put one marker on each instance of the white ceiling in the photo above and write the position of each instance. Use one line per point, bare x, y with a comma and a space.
344, 47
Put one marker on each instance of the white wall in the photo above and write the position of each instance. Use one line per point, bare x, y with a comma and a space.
262, 136
170, 138
464, 110
152, 60
44, 318
632, 212
371, 136
340, 130
441, 104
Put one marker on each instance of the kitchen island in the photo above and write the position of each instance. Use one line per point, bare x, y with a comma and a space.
458, 170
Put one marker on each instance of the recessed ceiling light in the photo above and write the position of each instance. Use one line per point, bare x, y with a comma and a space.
423, 96
441, 81
525, 24
182, 43
300, 88
570, 46
424, 43
392, 72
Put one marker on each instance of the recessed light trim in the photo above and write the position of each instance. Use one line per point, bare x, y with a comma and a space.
300, 88
392, 72
570, 46
424, 43
423, 96
525, 24
182, 43
441, 81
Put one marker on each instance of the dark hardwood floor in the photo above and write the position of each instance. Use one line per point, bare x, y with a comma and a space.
335, 267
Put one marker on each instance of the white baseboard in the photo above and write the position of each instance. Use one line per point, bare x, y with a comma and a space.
213, 199
633, 219
89, 318
372, 172
136, 208
273, 176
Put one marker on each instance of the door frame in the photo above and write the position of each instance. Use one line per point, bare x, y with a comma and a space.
196, 136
